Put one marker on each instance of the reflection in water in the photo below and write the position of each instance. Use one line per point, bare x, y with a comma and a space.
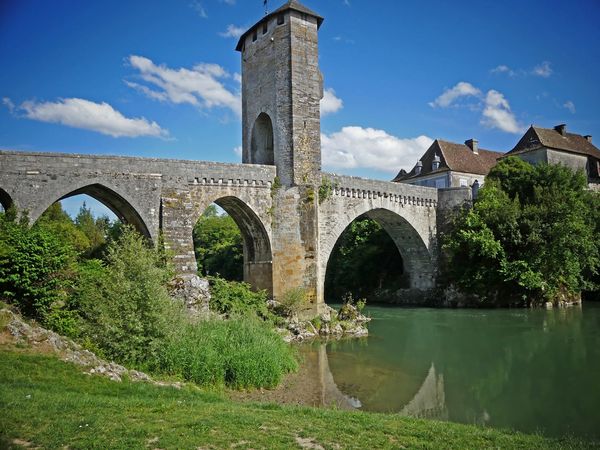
430, 400
532, 370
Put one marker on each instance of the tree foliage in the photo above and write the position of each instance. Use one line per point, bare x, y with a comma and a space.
218, 245
124, 304
532, 236
37, 268
365, 260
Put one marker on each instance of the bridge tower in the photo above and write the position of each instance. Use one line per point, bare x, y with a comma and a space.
281, 92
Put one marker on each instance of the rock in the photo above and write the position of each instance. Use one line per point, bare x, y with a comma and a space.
328, 314
70, 351
193, 291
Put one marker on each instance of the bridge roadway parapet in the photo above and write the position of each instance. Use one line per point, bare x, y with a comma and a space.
403, 194
131, 187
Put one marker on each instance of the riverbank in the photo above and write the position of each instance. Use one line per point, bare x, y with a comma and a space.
50, 403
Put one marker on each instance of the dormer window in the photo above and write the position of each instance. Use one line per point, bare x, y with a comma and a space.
265, 27
280, 19
254, 36
435, 165
418, 168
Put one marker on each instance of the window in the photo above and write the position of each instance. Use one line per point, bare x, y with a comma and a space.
254, 36
265, 27
440, 183
464, 182
280, 19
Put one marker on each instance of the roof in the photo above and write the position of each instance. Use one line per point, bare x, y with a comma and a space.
455, 157
289, 5
537, 137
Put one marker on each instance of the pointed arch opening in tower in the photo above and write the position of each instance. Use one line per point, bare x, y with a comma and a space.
231, 242
261, 143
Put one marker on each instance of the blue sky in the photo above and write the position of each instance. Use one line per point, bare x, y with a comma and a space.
160, 78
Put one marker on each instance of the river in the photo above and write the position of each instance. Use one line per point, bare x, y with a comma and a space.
529, 370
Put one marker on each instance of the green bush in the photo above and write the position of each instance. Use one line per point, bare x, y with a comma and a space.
124, 304
294, 301
37, 268
234, 298
239, 353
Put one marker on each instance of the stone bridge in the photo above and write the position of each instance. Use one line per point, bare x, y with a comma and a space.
289, 234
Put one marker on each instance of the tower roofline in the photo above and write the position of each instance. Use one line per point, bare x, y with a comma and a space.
289, 5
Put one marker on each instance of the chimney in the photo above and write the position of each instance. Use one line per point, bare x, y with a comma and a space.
588, 138
473, 144
562, 129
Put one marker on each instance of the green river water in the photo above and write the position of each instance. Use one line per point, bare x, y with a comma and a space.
529, 370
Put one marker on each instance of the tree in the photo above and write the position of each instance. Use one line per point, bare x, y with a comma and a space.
532, 236
37, 269
364, 261
218, 245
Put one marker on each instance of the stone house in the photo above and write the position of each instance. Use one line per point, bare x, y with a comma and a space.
557, 146
447, 164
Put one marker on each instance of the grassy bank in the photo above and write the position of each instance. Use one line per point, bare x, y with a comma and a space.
46, 402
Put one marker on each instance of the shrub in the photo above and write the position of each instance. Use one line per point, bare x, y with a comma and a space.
239, 353
293, 301
37, 268
124, 304
236, 298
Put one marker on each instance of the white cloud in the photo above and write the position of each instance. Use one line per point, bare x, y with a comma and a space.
504, 69
355, 146
229, 2
9, 104
542, 70
199, 8
497, 113
238, 151
330, 103
449, 96
232, 31
570, 106
87, 115
200, 86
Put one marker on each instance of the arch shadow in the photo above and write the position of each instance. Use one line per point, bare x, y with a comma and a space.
258, 268
261, 143
5, 199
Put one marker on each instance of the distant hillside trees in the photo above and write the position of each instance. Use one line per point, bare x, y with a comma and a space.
532, 236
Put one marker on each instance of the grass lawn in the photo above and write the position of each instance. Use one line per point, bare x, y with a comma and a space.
49, 403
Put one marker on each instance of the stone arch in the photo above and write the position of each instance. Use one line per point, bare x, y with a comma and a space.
5, 199
117, 203
258, 268
262, 150
418, 263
